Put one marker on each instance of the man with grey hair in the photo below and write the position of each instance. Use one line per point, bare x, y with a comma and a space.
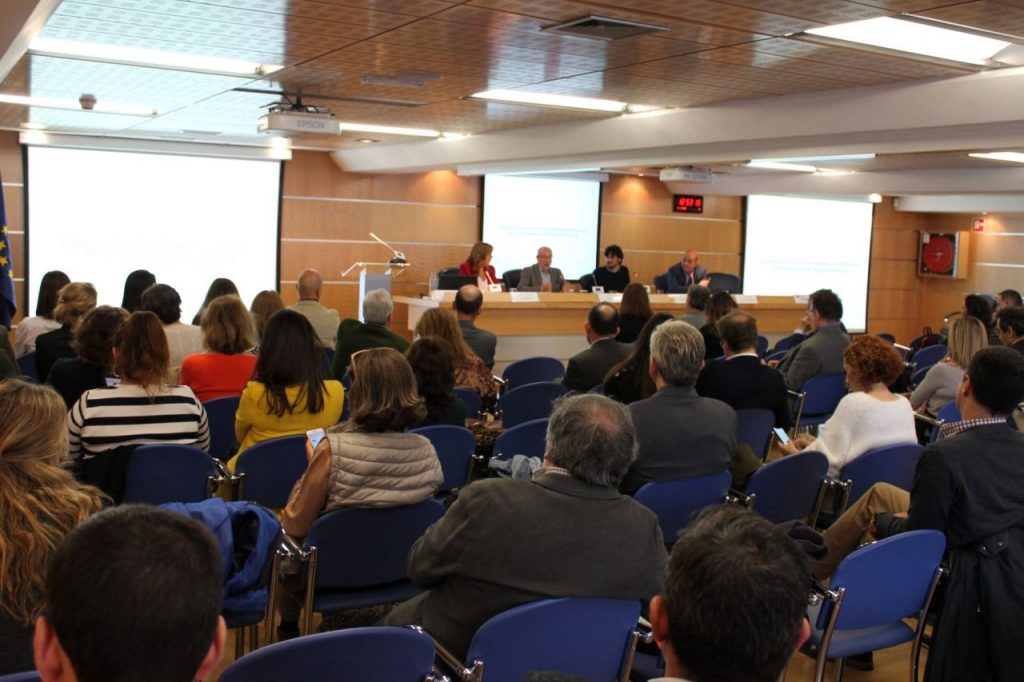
566, 533
679, 433
324, 320
354, 335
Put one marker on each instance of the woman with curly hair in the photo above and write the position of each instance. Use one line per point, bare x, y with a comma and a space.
469, 370
870, 416
40, 503
93, 344
431, 362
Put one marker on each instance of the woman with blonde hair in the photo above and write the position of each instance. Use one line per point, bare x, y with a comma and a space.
227, 365
265, 304
479, 264
40, 503
967, 335
634, 311
74, 300
470, 371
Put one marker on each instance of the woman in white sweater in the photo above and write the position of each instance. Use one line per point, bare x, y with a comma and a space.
870, 416
967, 336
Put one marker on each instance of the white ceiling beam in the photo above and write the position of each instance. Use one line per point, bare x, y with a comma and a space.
962, 203
20, 22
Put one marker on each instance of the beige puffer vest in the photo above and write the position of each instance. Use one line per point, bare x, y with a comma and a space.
381, 470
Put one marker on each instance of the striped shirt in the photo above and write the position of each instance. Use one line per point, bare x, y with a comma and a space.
106, 418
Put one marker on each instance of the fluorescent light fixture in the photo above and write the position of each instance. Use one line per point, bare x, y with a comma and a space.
875, 198
903, 35
387, 130
454, 136
772, 164
73, 105
136, 56
562, 101
836, 157
555, 171
833, 171
1016, 157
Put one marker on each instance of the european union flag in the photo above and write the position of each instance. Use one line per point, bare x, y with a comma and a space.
8, 306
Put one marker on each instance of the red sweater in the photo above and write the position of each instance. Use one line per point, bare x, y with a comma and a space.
214, 375
467, 269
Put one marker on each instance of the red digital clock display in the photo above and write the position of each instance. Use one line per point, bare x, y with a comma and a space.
687, 203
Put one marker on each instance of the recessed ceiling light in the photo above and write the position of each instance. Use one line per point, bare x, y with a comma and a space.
561, 101
366, 140
454, 136
833, 157
73, 105
771, 164
387, 130
136, 56
833, 171
1016, 157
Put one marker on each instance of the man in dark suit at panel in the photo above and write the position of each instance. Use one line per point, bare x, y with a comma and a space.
588, 368
741, 379
680, 434
822, 352
541, 276
687, 272
469, 302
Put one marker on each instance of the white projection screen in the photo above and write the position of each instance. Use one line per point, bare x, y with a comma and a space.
98, 215
795, 245
522, 213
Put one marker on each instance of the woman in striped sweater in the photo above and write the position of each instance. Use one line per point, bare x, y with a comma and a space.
142, 408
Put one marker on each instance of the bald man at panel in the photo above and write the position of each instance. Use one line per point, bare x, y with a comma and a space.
542, 277
687, 272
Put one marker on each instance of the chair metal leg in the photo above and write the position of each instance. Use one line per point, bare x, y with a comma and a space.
269, 634
839, 669
307, 607
239, 643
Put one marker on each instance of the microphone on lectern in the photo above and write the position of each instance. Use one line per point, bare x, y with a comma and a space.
399, 256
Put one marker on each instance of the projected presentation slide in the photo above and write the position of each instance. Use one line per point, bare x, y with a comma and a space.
796, 245
100, 215
522, 214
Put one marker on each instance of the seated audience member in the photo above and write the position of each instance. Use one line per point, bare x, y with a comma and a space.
822, 352
582, 539
94, 342
1010, 328
133, 593
1007, 298
630, 380
135, 283
697, 298
967, 336
222, 286
469, 301
634, 311
479, 263
287, 395
613, 275
719, 305
182, 339
679, 433
43, 321
967, 485
8, 365
976, 306
470, 370
588, 368
40, 502
73, 301
431, 359
541, 276
687, 272
741, 380
324, 320
142, 408
869, 416
799, 335
227, 366
726, 567
264, 304
354, 335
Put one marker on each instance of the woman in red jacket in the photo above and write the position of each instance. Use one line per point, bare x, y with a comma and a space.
479, 264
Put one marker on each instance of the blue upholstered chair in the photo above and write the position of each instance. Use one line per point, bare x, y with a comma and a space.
527, 402
788, 488
169, 473
220, 415
456, 448
532, 370
472, 400
27, 367
527, 439
755, 429
818, 398
267, 471
928, 356
677, 502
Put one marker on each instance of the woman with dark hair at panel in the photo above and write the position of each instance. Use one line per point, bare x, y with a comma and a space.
135, 283
977, 307
719, 305
40, 503
634, 311
94, 342
869, 416
142, 408
265, 304
469, 370
222, 286
43, 321
431, 361
227, 366
479, 263
73, 301
287, 395
630, 380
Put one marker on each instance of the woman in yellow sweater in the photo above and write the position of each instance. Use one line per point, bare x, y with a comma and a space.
288, 395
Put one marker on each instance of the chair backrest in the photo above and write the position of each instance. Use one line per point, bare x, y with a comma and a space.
823, 394
777, 355
893, 464
532, 370
528, 402
271, 469
677, 502
327, 360
366, 547
762, 345
471, 398
949, 413
587, 282
725, 281
661, 282
929, 355
527, 439
220, 414
346, 410
788, 488
448, 271
31, 676
371, 654
27, 367
918, 375
589, 638
512, 277
886, 336
599, 389
755, 429
887, 580
167, 473
784, 343
455, 447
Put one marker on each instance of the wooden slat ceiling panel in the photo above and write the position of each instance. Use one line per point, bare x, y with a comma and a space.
750, 56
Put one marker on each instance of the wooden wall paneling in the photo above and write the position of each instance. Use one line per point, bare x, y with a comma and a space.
11, 168
670, 233
647, 265
332, 258
394, 222
894, 274
650, 196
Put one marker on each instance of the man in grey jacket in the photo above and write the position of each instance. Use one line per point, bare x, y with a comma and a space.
468, 303
541, 277
822, 352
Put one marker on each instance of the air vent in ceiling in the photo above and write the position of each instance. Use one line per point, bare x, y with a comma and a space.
603, 28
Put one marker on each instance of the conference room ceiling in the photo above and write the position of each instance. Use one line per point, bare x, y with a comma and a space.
414, 63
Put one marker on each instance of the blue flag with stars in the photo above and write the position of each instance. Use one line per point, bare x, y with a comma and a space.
7, 301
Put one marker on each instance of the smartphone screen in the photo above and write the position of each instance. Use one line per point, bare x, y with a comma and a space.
781, 435
315, 436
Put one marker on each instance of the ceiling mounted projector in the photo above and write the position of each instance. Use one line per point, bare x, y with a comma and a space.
686, 175
298, 122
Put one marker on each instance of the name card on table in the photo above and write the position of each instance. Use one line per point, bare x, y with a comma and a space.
678, 298
801, 299
494, 288
749, 299
525, 297
610, 298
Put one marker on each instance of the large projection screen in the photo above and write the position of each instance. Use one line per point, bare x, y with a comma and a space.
98, 215
795, 245
522, 214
